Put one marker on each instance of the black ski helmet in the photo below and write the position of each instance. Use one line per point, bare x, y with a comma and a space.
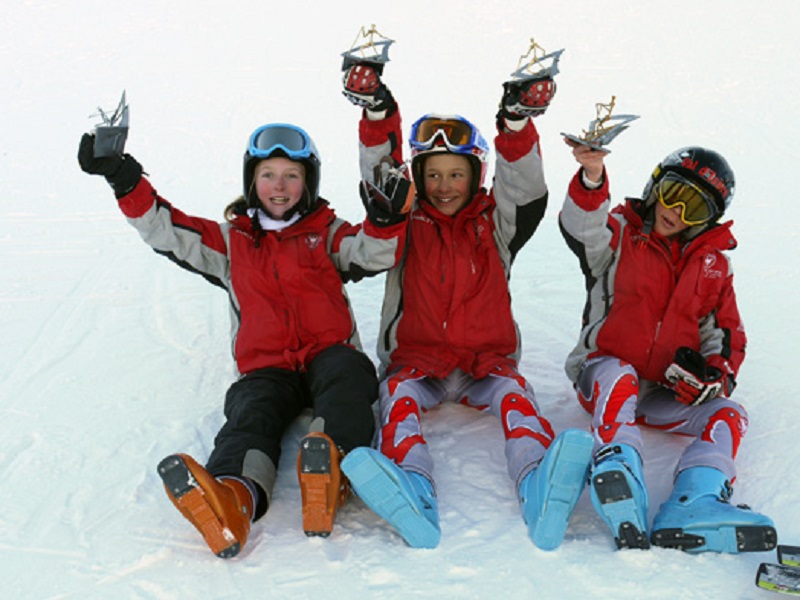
288, 141
706, 168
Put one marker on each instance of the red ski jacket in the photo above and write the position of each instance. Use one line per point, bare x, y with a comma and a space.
643, 302
447, 303
287, 296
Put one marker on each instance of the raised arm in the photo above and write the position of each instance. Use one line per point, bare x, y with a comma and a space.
196, 244
519, 185
584, 220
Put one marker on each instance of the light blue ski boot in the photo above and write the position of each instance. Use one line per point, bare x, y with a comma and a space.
619, 494
697, 517
549, 493
405, 499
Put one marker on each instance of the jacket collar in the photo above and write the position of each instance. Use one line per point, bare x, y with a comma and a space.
317, 219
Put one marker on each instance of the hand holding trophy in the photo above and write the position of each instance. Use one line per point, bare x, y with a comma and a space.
603, 128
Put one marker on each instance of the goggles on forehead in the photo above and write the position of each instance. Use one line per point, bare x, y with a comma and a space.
454, 133
293, 141
697, 205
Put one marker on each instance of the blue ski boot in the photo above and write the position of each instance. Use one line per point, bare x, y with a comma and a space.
619, 494
405, 499
697, 517
549, 493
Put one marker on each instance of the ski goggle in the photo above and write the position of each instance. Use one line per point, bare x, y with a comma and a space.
454, 133
293, 141
697, 205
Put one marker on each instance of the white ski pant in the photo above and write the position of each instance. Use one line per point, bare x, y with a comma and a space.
619, 402
407, 393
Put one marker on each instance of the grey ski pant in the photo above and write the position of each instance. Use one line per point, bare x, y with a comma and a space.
407, 393
619, 402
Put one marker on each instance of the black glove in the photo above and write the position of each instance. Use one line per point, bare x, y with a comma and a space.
363, 87
388, 204
527, 97
693, 380
122, 172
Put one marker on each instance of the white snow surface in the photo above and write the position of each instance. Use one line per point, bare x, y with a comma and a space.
113, 358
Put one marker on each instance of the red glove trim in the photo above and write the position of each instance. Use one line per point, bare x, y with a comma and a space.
584, 198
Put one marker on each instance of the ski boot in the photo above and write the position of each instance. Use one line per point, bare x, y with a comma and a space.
322, 487
697, 517
220, 510
549, 493
405, 499
619, 494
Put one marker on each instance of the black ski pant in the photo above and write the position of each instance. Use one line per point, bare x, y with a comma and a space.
339, 386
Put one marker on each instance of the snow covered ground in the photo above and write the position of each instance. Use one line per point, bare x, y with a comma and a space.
112, 357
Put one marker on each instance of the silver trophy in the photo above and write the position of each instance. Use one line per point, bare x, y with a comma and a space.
537, 63
370, 47
110, 135
603, 128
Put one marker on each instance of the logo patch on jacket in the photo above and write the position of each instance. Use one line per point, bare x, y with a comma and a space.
417, 216
313, 240
709, 261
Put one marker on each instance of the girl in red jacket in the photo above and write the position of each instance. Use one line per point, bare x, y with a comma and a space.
283, 257
447, 331
661, 345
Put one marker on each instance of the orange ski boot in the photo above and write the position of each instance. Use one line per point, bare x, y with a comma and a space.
323, 487
220, 510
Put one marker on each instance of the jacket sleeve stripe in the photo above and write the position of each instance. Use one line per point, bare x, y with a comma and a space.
528, 219
185, 265
196, 244
358, 253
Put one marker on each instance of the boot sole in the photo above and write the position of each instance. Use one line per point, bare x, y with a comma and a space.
187, 494
385, 495
730, 539
619, 509
567, 478
316, 477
